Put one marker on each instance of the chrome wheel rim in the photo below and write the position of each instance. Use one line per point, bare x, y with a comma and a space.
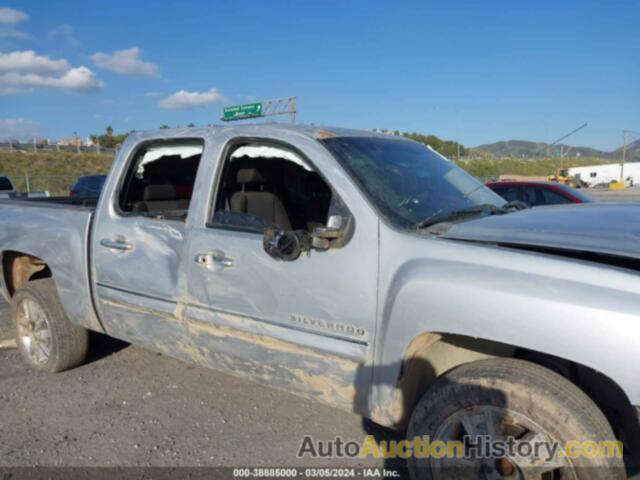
497, 423
34, 333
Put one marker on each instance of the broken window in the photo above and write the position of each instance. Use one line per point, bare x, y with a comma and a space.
160, 179
265, 185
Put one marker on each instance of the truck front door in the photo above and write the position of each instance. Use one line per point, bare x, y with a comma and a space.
305, 325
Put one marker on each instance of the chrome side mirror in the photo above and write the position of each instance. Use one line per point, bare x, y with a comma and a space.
288, 245
281, 244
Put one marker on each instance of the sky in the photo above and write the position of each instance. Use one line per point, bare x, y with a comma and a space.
472, 71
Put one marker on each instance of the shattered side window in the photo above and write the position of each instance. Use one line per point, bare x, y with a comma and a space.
161, 178
267, 185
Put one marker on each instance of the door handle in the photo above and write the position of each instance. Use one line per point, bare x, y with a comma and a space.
214, 258
117, 244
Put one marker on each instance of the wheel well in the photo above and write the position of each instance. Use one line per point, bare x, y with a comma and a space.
19, 268
430, 355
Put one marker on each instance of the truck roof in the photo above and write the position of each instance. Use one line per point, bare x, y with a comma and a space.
312, 131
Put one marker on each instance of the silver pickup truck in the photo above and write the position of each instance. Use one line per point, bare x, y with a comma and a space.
361, 270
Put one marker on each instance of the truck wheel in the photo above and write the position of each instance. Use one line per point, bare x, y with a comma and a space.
46, 338
514, 401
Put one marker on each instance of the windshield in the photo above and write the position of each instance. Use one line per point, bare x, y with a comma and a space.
407, 181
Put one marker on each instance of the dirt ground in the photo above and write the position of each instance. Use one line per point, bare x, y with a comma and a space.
132, 407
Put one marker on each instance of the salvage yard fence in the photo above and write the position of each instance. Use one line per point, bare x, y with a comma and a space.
55, 185
39, 147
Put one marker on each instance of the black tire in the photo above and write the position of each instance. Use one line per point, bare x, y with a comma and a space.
67, 343
521, 390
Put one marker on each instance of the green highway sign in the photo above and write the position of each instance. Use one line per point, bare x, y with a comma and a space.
237, 112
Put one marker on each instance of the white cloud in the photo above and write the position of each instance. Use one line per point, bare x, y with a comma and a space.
10, 15
64, 31
26, 70
79, 79
18, 129
126, 62
12, 34
184, 99
29, 61
9, 18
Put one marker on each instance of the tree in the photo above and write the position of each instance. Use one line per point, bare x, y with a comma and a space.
191, 125
164, 126
109, 139
448, 148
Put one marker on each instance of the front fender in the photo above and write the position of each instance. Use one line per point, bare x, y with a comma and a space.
579, 311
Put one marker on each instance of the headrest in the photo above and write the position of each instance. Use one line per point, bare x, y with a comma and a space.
154, 193
249, 175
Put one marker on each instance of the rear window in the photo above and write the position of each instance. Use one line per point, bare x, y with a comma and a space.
552, 198
5, 184
583, 197
94, 183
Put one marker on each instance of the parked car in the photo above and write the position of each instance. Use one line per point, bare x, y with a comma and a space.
6, 187
361, 270
7, 190
539, 193
88, 186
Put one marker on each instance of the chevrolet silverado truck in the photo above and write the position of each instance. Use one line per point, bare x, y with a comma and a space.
361, 270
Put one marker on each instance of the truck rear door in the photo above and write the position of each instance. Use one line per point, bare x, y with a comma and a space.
138, 243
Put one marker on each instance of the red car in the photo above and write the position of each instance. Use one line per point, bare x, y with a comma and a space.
539, 193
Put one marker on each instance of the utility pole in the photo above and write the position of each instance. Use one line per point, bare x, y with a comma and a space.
559, 173
293, 109
77, 142
625, 136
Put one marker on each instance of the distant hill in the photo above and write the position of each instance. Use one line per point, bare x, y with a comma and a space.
525, 149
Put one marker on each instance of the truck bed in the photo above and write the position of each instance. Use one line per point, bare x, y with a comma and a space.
89, 202
57, 232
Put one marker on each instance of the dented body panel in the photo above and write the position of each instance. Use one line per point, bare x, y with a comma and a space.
335, 325
58, 236
567, 308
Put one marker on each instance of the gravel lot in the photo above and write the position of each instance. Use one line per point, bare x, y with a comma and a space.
131, 407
